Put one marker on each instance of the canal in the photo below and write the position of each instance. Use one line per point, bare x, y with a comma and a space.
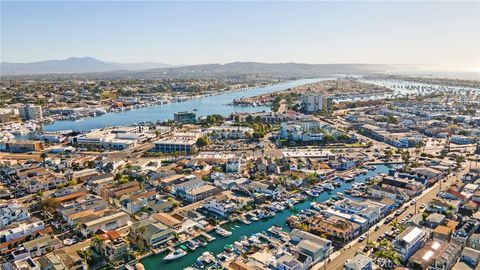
239, 229
217, 104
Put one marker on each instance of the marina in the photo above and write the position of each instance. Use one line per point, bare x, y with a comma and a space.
259, 223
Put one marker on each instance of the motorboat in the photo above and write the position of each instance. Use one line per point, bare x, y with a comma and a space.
178, 253
312, 193
328, 186
192, 245
221, 231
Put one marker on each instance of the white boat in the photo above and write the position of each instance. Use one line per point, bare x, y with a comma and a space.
178, 253
312, 193
328, 186
221, 231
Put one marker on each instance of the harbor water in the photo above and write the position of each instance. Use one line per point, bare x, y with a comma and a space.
239, 229
217, 104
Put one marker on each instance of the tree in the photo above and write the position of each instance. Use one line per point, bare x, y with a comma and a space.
406, 157
97, 242
91, 164
86, 255
123, 179
43, 156
459, 159
388, 153
202, 141
328, 138
139, 240
49, 205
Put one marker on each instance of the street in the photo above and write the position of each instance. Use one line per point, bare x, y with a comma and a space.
355, 247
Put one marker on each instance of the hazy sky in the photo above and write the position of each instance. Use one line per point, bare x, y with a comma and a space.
440, 33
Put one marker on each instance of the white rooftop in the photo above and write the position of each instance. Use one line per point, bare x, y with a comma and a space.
413, 234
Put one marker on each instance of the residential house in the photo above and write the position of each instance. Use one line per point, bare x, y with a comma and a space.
446, 257
11, 211
359, 262
462, 235
42, 245
221, 205
471, 257
113, 247
154, 233
409, 241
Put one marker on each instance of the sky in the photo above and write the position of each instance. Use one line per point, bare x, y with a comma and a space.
444, 34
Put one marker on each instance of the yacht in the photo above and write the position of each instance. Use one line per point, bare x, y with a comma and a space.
328, 186
192, 245
178, 253
221, 231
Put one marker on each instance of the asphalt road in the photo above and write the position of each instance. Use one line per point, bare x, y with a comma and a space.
339, 258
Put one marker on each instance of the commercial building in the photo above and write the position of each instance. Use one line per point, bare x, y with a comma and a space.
113, 138
23, 146
30, 112
185, 117
178, 142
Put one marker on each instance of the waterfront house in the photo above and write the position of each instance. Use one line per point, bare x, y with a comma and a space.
336, 227
370, 210
221, 205
113, 247
154, 233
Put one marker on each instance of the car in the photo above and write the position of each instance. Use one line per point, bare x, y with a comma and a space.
422, 206
366, 249
376, 228
362, 238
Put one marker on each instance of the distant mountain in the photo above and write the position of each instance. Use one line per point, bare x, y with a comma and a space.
241, 69
72, 65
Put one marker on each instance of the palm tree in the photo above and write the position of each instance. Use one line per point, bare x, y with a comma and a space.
86, 255
140, 231
97, 242
43, 156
